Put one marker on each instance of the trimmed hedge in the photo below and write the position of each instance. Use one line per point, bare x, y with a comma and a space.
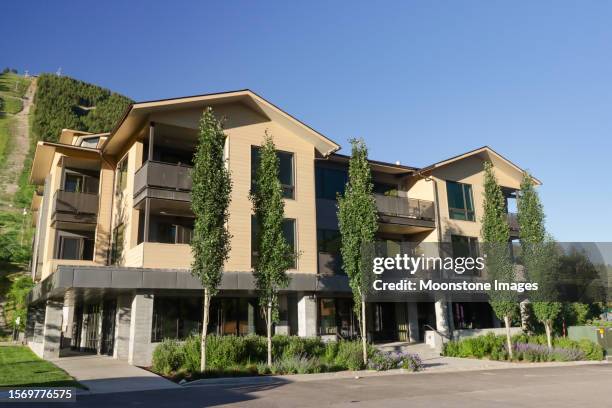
527, 348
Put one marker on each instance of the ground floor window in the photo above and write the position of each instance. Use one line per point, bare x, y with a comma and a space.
336, 317
473, 315
179, 317
175, 317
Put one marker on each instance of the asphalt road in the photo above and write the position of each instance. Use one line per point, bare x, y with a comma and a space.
571, 386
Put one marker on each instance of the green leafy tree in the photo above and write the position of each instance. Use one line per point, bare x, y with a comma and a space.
539, 256
495, 233
274, 254
16, 301
358, 222
210, 199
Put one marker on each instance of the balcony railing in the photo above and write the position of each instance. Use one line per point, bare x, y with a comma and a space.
405, 207
163, 175
74, 207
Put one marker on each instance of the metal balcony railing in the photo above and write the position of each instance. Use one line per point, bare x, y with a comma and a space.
405, 207
163, 175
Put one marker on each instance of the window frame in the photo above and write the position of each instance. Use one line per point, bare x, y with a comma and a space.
285, 187
469, 214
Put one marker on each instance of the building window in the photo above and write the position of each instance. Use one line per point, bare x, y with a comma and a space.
330, 182
175, 318
336, 316
286, 171
121, 177
460, 201
328, 245
118, 243
289, 232
75, 247
75, 182
465, 247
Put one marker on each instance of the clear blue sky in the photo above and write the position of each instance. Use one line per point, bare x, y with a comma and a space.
420, 81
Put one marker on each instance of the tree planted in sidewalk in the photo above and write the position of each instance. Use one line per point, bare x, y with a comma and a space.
358, 222
274, 255
495, 233
540, 256
210, 199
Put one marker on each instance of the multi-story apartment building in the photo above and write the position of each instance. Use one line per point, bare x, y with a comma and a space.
113, 226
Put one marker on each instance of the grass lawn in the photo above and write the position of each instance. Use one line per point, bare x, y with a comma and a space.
19, 366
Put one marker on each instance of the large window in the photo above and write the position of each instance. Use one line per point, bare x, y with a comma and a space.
330, 182
336, 316
175, 318
289, 232
286, 170
460, 201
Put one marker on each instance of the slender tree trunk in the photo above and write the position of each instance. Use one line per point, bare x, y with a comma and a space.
548, 328
269, 329
364, 334
204, 330
508, 338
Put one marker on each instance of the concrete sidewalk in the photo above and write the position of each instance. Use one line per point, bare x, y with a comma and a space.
102, 374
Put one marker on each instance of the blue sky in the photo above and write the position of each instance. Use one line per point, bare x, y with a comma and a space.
420, 81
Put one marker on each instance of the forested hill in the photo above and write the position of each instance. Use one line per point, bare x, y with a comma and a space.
66, 103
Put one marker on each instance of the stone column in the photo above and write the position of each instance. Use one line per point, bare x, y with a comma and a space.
67, 324
122, 327
441, 308
53, 329
307, 315
141, 318
413, 323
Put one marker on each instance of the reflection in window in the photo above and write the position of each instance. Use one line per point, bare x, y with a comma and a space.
330, 182
289, 233
460, 201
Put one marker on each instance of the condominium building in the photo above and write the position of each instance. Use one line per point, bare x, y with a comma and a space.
112, 255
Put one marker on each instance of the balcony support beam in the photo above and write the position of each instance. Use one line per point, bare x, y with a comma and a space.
147, 215
151, 140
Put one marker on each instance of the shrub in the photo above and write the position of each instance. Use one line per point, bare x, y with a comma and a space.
296, 365
168, 356
412, 362
381, 361
349, 355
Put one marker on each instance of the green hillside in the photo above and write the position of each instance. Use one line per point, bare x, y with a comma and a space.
63, 102
54, 103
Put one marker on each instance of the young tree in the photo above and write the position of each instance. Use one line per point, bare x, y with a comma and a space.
539, 255
357, 219
210, 199
496, 236
274, 254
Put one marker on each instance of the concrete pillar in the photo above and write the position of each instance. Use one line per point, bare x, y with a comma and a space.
68, 312
122, 327
413, 323
52, 329
307, 315
441, 309
141, 317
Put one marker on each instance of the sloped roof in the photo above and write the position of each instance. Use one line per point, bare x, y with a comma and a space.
135, 112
